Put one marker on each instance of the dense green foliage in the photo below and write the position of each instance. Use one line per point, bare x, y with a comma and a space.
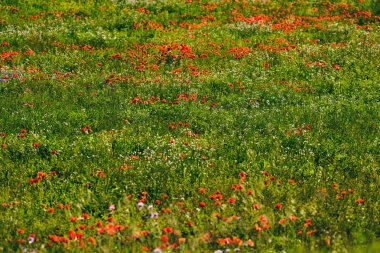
196, 126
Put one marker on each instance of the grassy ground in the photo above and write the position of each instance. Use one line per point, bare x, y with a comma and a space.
197, 126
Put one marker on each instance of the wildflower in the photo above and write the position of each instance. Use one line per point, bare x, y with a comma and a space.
157, 250
278, 206
231, 200
360, 201
164, 238
154, 215
202, 204
140, 205
307, 223
250, 243
31, 238
91, 240
72, 234
112, 207
336, 66
168, 230
263, 219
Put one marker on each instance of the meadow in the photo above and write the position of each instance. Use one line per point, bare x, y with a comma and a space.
189, 126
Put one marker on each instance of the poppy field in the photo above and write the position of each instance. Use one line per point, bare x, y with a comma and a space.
189, 126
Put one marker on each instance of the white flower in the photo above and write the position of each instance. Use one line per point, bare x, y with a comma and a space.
140, 205
31, 239
157, 250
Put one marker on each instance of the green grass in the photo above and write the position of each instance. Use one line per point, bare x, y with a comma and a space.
238, 105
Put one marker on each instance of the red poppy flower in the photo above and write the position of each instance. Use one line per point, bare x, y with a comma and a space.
360, 201
168, 230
